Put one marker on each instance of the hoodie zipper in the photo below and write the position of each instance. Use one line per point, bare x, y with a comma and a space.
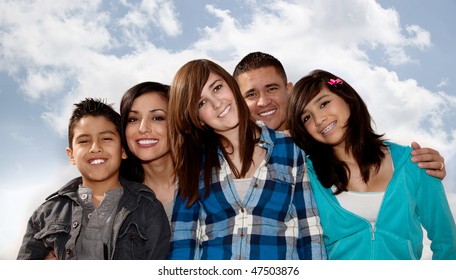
373, 232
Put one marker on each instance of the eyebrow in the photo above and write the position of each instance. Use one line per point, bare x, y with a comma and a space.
211, 86
150, 111
249, 90
272, 84
320, 98
107, 132
265, 86
101, 133
315, 102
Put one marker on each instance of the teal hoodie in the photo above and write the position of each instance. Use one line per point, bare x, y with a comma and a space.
412, 199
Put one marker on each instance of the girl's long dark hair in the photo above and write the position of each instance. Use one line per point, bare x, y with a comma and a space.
131, 168
367, 146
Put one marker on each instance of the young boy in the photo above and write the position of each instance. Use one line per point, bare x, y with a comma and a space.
98, 215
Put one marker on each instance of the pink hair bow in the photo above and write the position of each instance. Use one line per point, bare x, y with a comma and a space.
336, 81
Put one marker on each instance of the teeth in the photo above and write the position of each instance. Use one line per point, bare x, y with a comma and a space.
328, 128
268, 113
147, 141
225, 112
97, 161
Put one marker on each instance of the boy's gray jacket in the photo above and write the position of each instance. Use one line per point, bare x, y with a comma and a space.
140, 229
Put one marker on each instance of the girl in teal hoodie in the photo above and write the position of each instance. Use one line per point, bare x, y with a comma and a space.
373, 201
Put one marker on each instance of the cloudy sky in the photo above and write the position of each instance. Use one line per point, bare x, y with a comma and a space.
398, 54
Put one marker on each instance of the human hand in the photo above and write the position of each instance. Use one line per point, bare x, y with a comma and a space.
429, 159
51, 256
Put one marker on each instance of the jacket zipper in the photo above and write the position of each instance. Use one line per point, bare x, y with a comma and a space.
373, 232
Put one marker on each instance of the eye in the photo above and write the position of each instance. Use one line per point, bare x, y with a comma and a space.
273, 89
250, 95
305, 118
201, 103
107, 139
217, 87
82, 141
158, 118
324, 104
132, 119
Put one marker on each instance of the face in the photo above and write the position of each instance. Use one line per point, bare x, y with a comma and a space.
147, 127
96, 151
266, 94
217, 107
325, 118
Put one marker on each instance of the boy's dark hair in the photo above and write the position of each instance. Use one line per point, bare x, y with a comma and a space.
92, 107
256, 60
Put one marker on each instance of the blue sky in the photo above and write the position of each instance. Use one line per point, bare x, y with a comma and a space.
398, 54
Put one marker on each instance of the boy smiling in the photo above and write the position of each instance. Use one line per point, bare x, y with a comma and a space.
98, 215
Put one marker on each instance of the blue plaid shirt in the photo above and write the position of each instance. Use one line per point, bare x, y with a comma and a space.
277, 219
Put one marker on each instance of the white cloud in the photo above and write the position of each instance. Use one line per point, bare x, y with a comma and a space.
162, 13
304, 34
167, 19
39, 83
397, 56
47, 33
443, 82
143, 18
421, 38
69, 44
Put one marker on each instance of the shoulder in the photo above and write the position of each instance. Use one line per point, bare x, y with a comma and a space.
275, 137
59, 202
67, 191
398, 149
137, 190
400, 154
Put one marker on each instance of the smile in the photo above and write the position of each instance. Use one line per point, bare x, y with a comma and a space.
328, 128
96, 161
225, 112
268, 113
147, 141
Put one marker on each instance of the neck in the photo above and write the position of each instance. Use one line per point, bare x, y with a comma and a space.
100, 188
159, 177
236, 158
232, 136
159, 172
342, 154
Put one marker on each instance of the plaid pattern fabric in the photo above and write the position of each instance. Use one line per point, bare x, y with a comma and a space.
277, 219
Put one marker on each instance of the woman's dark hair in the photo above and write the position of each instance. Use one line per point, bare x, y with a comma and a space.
131, 168
366, 146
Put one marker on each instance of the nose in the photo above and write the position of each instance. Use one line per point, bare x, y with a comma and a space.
319, 119
96, 148
144, 126
263, 100
216, 103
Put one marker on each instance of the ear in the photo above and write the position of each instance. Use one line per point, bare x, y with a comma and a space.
201, 122
124, 154
69, 152
289, 87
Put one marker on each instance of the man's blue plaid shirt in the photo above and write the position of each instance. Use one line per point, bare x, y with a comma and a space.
278, 218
